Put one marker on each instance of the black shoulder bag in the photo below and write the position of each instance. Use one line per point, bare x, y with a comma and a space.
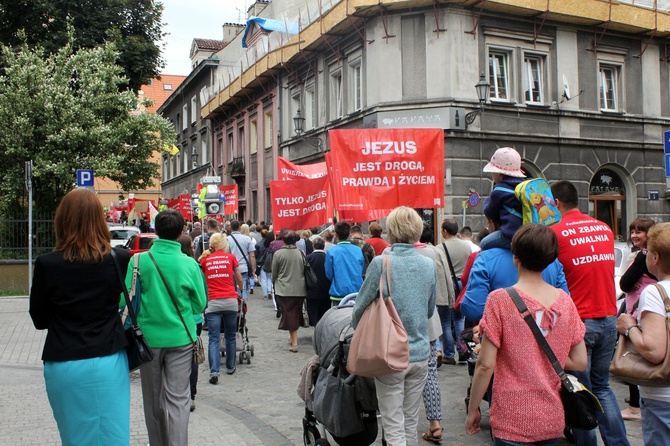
457, 285
198, 348
579, 404
138, 350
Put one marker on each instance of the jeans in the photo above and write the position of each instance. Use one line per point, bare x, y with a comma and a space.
266, 283
499, 442
600, 339
245, 281
214, 320
655, 422
496, 239
450, 317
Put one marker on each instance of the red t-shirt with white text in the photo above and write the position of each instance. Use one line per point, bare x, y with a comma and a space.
586, 250
219, 268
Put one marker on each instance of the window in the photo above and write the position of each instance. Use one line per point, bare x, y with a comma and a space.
176, 124
355, 82
187, 160
295, 106
267, 130
499, 75
609, 87
194, 110
253, 137
309, 107
203, 151
167, 87
231, 152
184, 118
166, 168
336, 99
240, 141
533, 83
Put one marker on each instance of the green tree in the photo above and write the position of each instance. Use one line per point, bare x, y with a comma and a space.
134, 25
65, 112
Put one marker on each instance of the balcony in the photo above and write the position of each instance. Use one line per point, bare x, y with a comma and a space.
236, 168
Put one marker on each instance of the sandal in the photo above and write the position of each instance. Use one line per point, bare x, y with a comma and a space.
434, 435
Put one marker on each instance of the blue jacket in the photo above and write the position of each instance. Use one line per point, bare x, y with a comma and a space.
344, 266
502, 198
494, 269
413, 289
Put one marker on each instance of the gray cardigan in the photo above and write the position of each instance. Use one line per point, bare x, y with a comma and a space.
288, 274
413, 291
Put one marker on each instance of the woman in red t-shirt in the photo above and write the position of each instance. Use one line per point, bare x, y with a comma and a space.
526, 406
221, 273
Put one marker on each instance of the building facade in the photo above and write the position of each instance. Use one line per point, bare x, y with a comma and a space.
580, 89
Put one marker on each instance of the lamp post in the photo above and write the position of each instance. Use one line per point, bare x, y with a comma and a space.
482, 88
194, 158
298, 128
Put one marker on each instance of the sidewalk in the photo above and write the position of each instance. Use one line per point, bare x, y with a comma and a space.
258, 405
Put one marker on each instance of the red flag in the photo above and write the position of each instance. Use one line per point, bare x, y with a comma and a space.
299, 204
229, 192
286, 170
386, 168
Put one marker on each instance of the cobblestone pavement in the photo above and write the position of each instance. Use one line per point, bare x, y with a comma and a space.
258, 405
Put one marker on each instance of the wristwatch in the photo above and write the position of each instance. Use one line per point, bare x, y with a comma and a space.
625, 333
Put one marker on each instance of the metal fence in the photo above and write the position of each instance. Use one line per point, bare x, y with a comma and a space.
14, 236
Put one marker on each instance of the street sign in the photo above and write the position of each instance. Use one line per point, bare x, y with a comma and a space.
653, 195
666, 142
210, 180
85, 178
667, 165
473, 199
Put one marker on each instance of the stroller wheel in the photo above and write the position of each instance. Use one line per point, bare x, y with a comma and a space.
248, 357
252, 350
311, 436
241, 357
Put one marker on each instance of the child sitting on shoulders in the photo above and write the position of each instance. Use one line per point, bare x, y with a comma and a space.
502, 205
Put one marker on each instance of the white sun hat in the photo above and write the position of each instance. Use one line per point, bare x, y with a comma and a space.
507, 161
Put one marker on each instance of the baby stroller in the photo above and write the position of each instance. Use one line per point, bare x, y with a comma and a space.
332, 337
242, 344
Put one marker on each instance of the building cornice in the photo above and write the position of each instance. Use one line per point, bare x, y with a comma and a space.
348, 13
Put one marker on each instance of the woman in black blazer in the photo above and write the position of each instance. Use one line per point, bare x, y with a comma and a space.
318, 299
75, 295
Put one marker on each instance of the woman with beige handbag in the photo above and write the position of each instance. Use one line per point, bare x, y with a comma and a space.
409, 278
646, 341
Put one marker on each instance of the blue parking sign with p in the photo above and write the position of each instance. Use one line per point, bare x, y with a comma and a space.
84, 178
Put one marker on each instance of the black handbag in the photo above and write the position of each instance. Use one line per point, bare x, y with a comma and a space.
579, 404
311, 281
137, 350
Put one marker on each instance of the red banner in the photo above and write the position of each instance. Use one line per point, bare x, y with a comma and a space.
386, 168
357, 215
230, 198
182, 205
299, 204
286, 170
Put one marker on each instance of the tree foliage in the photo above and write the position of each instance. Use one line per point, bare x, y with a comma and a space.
65, 112
134, 25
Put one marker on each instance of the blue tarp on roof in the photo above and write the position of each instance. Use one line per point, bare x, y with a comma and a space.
269, 25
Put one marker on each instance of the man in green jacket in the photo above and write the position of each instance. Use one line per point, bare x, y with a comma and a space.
165, 380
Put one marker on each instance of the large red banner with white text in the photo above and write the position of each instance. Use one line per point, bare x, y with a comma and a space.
301, 203
287, 170
357, 215
386, 168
